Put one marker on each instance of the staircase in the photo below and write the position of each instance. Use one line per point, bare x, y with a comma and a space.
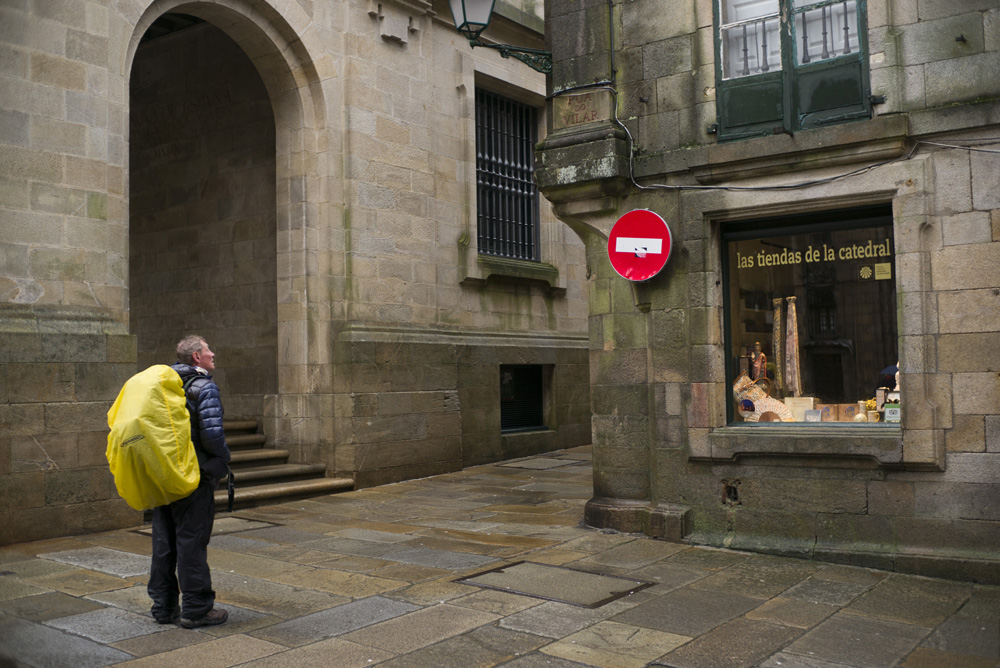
264, 475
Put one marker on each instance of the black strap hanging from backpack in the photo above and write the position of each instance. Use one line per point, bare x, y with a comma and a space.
231, 489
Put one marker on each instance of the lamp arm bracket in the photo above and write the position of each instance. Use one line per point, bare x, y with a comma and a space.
537, 59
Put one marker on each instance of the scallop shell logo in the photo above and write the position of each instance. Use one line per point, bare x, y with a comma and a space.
866, 272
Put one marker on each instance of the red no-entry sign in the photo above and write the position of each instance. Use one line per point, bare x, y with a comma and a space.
639, 245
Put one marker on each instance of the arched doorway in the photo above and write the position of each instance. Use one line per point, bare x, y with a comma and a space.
202, 216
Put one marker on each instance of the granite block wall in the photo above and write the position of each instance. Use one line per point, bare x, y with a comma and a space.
913, 498
284, 179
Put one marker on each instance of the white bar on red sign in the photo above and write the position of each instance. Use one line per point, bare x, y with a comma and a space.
638, 245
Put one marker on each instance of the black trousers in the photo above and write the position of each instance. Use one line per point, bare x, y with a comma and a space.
181, 532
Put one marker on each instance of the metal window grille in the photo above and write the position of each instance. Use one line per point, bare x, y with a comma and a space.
506, 196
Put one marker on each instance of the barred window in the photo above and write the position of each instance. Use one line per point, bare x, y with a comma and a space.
506, 196
789, 65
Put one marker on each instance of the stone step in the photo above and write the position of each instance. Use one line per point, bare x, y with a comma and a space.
239, 424
264, 475
256, 475
236, 441
242, 458
275, 493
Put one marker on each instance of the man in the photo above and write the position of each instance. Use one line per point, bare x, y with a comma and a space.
181, 530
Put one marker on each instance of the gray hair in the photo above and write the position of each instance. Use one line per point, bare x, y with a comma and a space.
188, 346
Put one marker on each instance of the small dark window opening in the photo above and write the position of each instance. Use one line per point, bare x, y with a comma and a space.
731, 492
521, 398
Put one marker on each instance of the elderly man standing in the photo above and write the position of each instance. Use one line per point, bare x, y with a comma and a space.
182, 529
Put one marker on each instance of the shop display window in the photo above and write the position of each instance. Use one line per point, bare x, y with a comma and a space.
810, 318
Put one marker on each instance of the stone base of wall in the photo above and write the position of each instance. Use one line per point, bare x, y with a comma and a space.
666, 520
60, 370
975, 563
411, 409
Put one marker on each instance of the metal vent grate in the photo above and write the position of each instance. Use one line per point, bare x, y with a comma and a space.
506, 196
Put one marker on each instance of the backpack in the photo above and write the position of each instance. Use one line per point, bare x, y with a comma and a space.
150, 452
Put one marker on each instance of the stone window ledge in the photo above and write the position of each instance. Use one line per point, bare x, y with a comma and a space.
522, 270
879, 445
881, 138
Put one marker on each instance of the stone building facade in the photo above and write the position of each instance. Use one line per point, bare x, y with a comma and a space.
295, 180
830, 165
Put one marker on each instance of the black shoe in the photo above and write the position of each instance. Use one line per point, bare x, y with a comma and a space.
171, 618
214, 617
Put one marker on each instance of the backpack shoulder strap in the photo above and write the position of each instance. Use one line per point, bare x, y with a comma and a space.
193, 386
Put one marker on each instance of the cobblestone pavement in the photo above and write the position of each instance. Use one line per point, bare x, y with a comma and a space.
372, 578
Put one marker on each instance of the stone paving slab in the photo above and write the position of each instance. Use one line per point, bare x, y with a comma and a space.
354, 547
854, 640
464, 546
367, 578
81, 582
454, 561
613, 645
374, 535
484, 647
235, 650
107, 625
931, 658
161, 643
46, 647
421, 628
53, 605
283, 601
689, 612
554, 620
335, 621
324, 654
253, 566
827, 591
342, 583
913, 599
11, 589
555, 583
740, 643
225, 525
793, 612
103, 560
635, 554
239, 544
966, 635
758, 577
241, 621
282, 534
134, 599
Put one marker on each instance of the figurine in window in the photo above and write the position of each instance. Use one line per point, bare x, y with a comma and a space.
758, 363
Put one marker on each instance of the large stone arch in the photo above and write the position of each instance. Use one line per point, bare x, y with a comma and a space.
307, 154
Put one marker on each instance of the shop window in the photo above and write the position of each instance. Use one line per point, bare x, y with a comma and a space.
811, 317
522, 397
788, 65
506, 195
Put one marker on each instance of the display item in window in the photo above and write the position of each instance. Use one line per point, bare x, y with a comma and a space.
754, 404
776, 337
758, 363
793, 373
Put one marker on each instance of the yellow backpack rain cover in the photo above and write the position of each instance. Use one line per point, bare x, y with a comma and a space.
150, 452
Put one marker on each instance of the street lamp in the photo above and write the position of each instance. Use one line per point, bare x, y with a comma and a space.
473, 16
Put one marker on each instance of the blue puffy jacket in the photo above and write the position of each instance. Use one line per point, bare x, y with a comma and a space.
205, 406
